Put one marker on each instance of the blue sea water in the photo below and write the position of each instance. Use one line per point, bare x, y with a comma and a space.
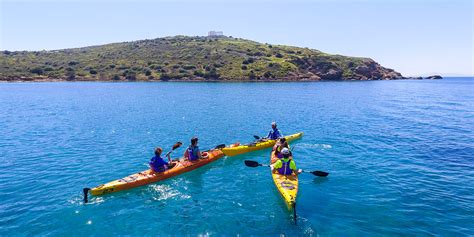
400, 156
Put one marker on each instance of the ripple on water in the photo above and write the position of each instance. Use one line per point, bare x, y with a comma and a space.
399, 154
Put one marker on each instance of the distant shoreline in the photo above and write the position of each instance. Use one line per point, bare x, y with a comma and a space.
35, 80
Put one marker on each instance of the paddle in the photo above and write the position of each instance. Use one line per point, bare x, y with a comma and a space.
294, 211
256, 137
175, 146
85, 191
251, 163
219, 146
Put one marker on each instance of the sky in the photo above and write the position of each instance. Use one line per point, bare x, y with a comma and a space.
414, 37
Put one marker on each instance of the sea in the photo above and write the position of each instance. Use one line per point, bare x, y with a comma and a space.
400, 158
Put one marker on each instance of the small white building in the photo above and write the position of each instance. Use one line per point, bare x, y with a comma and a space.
215, 34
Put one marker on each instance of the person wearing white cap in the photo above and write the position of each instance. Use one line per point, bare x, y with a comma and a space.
285, 165
274, 133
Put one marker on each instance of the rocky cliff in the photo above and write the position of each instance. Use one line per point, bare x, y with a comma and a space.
189, 58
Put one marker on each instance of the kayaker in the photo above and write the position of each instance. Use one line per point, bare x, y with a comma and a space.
281, 147
274, 133
193, 153
286, 165
157, 163
278, 143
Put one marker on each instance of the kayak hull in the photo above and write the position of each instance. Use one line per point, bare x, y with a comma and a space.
287, 185
148, 176
242, 149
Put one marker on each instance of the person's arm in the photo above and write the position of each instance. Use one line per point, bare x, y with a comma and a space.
276, 165
198, 153
151, 163
203, 156
169, 156
293, 167
269, 134
185, 155
279, 132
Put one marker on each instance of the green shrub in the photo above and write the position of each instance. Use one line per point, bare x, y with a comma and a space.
131, 76
70, 74
124, 73
212, 74
189, 67
198, 73
252, 75
37, 70
164, 77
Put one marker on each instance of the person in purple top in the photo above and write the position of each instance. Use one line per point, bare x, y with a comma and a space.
157, 163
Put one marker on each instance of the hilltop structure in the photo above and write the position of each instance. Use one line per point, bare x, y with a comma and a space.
215, 34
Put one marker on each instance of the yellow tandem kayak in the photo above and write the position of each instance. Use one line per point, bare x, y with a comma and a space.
241, 149
287, 185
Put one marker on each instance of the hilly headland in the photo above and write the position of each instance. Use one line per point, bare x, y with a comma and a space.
185, 58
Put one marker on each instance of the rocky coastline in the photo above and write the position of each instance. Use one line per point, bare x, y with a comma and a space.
190, 59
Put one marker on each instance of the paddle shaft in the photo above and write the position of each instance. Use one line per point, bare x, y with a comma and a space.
251, 163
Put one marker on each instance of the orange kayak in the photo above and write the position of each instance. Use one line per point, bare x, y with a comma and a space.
148, 176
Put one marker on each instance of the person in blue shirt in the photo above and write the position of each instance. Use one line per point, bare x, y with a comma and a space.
157, 163
274, 133
193, 153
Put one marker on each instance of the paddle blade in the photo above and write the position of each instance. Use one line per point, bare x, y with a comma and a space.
251, 163
294, 211
219, 146
320, 173
176, 145
256, 137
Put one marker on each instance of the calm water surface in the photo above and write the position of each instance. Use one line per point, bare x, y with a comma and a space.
399, 153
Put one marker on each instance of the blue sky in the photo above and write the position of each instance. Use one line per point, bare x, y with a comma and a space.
417, 37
